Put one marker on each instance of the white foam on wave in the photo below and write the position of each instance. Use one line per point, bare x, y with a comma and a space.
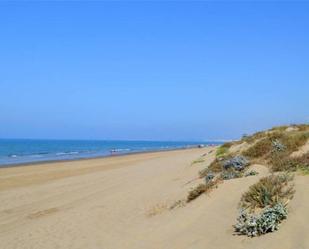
67, 153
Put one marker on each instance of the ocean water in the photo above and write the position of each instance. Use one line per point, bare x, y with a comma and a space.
18, 151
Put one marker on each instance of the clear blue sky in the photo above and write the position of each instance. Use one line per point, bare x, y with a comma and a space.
146, 70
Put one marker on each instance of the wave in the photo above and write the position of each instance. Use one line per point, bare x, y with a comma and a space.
119, 150
20, 151
67, 153
27, 154
42, 154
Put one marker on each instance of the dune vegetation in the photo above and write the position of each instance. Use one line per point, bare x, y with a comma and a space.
284, 150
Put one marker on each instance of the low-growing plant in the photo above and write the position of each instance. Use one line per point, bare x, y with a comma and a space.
156, 209
276, 132
259, 149
302, 127
294, 141
214, 167
252, 138
304, 170
279, 128
204, 172
209, 177
178, 204
199, 160
237, 163
303, 162
196, 192
251, 173
229, 174
278, 146
221, 151
282, 162
268, 191
201, 189
267, 221
276, 142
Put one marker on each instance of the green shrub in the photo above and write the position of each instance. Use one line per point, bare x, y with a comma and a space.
221, 151
269, 197
268, 191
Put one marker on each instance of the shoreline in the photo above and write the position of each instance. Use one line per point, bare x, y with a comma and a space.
48, 162
125, 201
89, 203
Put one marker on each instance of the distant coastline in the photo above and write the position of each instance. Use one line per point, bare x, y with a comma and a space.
86, 159
15, 152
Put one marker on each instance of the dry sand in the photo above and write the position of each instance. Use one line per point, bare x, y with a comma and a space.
122, 202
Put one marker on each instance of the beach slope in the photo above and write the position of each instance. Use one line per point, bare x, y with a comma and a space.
124, 202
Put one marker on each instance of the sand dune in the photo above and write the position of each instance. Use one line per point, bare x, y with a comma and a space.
122, 202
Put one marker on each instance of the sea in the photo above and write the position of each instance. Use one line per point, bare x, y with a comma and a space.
24, 151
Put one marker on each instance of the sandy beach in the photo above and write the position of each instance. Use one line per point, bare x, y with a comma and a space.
154, 124
123, 202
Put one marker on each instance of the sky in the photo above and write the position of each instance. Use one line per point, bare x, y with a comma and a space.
152, 70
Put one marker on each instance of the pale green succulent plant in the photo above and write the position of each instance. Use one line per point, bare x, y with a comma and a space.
267, 221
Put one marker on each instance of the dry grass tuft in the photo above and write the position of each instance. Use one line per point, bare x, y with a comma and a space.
279, 128
199, 160
196, 192
202, 188
268, 191
157, 209
178, 204
302, 127
252, 138
264, 148
282, 162
259, 149
295, 140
